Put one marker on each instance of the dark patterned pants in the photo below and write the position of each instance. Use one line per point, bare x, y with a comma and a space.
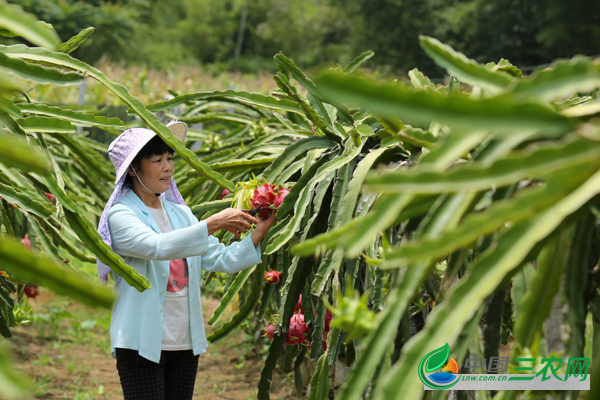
172, 378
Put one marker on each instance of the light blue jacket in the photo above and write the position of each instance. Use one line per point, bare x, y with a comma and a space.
137, 318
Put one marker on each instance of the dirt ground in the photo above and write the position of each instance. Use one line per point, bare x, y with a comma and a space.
69, 358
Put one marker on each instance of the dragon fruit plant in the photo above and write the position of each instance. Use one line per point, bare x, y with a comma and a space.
255, 197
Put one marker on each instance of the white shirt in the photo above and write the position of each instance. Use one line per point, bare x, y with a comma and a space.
176, 327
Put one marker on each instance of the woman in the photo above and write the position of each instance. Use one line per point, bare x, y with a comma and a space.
157, 335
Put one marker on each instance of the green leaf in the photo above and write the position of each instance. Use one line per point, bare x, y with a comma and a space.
90, 160
14, 19
350, 152
245, 309
104, 252
46, 125
300, 208
537, 303
17, 153
36, 267
526, 164
255, 99
583, 110
13, 384
292, 152
358, 61
211, 205
308, 111
8, 107
578, 277
303, 80
26, 202
37, 73
64, 60
232, 292
525, 204
419, 80
75, 249
437, 358
575, 101
76, 117
214, 116
562, 79
416, 137
266, 373
72, 44
309, 172
362, 230
247, 164
447, 318
319, 384
466, 70
422, 108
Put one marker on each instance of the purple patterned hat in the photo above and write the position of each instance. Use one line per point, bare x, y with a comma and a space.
121, 152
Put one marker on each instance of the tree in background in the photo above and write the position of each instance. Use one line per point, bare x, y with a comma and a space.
115, 24
163, 34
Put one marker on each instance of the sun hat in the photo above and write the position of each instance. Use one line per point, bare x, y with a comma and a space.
121, 152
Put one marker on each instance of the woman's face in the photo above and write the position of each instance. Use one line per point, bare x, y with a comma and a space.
155, 172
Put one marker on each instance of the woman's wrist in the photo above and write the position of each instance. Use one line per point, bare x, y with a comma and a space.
212, 225
257, 235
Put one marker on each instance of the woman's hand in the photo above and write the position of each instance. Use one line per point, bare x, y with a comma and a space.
232, 220
262, 228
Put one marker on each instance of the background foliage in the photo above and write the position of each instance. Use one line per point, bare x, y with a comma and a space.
164, 33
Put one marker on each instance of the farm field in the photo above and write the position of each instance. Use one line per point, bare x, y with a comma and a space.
66, 353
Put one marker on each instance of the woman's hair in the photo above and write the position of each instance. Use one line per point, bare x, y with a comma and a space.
155, 147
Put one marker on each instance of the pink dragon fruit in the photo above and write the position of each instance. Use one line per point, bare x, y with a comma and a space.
298, 331
31, 291
269, 331
269, 196
272, 277
26, 242
50, 197
281, 195
328, 318
224, 193
264, 195
298, 306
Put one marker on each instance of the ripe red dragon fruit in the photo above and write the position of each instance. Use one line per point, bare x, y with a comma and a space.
298, 306
269, 196
328, 318
31, 291
264, 195
281, 195
224, 193
269, 331
272, 277
298, 332
26, 242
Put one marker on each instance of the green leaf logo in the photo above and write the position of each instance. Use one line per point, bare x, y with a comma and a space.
437, 358
432, 362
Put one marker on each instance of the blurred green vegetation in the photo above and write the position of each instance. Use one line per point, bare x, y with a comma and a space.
164, 34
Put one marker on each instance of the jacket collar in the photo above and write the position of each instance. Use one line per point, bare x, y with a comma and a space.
133, 198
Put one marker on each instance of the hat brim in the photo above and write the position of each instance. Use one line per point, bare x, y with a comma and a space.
178, 129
